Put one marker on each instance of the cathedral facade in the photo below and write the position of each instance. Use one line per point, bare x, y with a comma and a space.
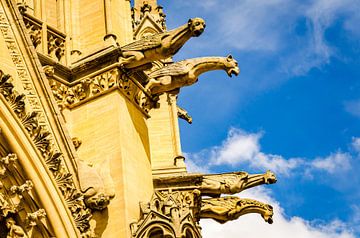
89, 135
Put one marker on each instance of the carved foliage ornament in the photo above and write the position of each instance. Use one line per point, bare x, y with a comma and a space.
42, 140
69, 96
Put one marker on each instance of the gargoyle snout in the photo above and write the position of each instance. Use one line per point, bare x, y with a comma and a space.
270, 177
234, 70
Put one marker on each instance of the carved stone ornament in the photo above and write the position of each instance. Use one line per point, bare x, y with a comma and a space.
184, 73
70, 96
53, 159
96, 185
183, 114
230, 208
230, 183
15, 231
161, 45
169, 214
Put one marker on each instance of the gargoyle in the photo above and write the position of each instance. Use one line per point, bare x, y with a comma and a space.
183, 114
186, 72
230, 208
229, 183
161, 45
96, 185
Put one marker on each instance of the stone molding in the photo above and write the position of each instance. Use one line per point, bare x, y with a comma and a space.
42, 140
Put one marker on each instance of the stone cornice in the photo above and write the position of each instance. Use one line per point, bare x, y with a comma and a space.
97, 84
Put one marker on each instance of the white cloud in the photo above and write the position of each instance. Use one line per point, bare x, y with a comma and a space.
337, 162
241, 148
356, 144
353, 107
252, 225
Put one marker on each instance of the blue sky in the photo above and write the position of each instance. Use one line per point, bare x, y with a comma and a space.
294, 108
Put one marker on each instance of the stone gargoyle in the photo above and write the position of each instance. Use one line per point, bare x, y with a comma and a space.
161, 45
230, 208
183, 114
214, 185
184, 73
96, 184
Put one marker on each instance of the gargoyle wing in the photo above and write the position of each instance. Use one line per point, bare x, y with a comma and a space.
148, 42
175, 69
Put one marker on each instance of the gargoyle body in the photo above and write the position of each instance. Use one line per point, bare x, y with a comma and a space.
230, 183
96, 185
161, 45
230, 208
186, 72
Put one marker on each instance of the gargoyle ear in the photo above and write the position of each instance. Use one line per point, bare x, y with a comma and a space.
229, 57
190, 21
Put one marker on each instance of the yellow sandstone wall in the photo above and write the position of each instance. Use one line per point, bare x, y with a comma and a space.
111, 128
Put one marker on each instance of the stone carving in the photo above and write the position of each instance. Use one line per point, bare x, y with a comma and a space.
229, 183
76, 142
96, 185
19, 190
53, 159
161, 45
230, 208
56, 46
86, 89
34, 31
15, 231
171, 213
35, 217
6, 161
184, 73
183, 114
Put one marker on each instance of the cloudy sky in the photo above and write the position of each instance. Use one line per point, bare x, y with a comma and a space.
294, 109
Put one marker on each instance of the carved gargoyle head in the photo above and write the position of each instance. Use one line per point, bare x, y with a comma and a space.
267, 214
270, 177
196, 26
98, 202
231, 66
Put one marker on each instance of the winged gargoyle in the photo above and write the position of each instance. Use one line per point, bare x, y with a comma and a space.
161, 45
186, 72
230, 208
230, 183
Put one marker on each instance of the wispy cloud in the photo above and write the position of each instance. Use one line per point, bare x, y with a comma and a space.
243, 149
252, 226
336, 162
292, 32
353, 107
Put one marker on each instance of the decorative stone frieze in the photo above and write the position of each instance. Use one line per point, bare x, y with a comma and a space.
169, 214
55, 40
68, 96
